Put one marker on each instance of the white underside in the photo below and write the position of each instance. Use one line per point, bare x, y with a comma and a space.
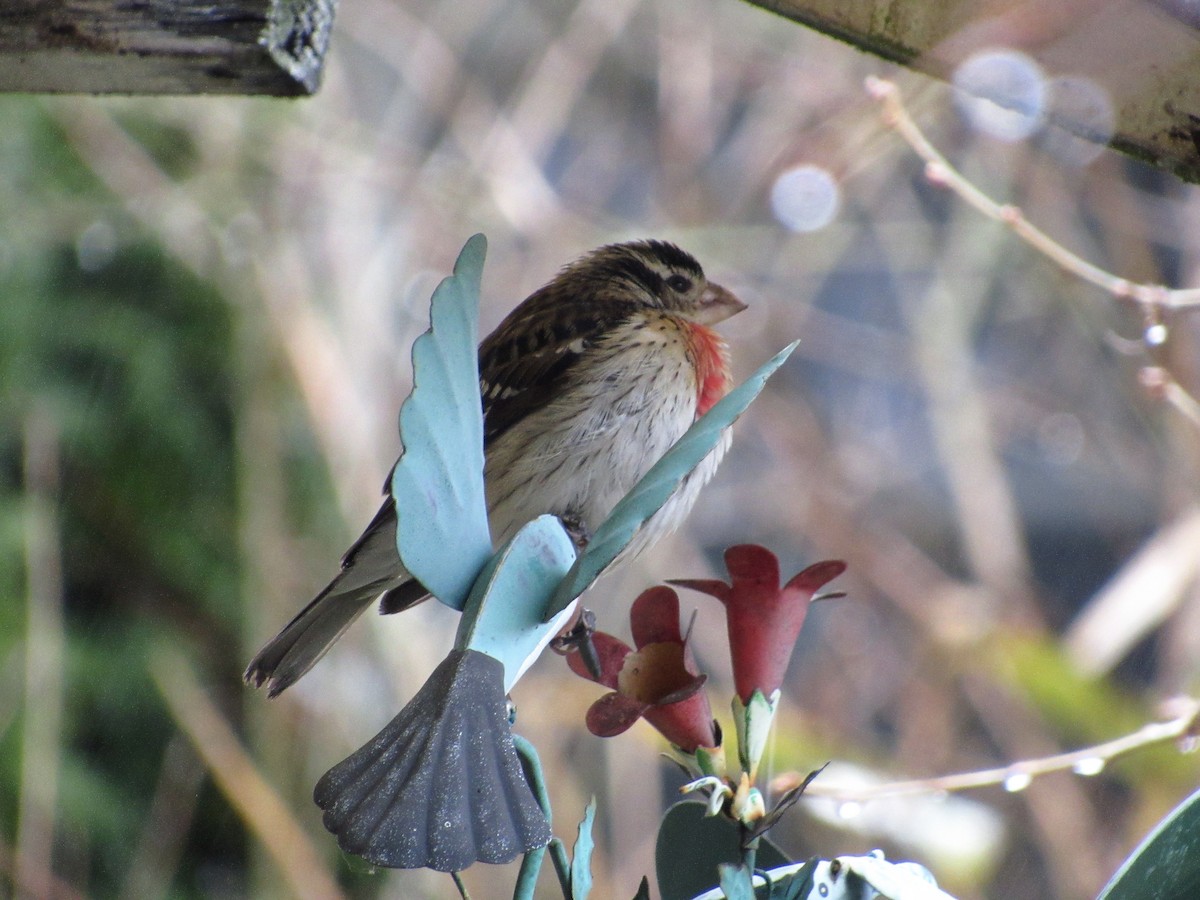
582, 452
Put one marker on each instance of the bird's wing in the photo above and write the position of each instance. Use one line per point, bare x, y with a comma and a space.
524, 362
512, 392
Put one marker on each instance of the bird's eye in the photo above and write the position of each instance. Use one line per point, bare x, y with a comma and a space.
679, 284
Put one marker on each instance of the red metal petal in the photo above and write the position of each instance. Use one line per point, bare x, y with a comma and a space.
654, 617
657, 673
763, 619
687, 724
817, 576
752, 564
762, 635
684, 692
613, 714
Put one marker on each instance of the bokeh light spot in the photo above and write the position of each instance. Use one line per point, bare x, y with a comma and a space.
1001, 93
805, 198
1083, 120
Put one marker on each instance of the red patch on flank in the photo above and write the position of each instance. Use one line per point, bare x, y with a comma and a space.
712, 366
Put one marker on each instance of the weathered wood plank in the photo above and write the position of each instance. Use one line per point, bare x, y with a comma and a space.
164, 46
1143, 54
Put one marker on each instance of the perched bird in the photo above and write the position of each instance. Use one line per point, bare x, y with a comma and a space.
585, 385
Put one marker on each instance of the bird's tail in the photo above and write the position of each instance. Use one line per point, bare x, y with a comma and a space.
304, 640
370, 569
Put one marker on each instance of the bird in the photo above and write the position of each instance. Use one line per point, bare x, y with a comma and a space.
584, 386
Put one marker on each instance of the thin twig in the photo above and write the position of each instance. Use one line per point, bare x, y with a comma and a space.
939, 171
1016, 776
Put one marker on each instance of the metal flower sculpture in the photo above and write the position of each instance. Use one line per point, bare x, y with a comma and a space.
763, 620
658, 681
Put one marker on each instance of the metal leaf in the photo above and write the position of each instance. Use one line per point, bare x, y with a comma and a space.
690, 846
656, 487
581, 855
853, 877
1166, 865
442, 532
786, 802
791, 882
735, 881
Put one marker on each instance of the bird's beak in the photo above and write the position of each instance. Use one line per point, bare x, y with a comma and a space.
717, 305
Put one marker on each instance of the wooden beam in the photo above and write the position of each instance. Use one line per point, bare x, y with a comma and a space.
1144, 55
164, 46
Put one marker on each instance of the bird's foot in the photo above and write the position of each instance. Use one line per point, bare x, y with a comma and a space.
578, 639
577, 531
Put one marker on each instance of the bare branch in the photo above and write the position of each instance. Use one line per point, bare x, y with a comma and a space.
939, 171
1016, 776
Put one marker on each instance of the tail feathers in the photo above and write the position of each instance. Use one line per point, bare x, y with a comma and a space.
371, 567
305, 639
402, 597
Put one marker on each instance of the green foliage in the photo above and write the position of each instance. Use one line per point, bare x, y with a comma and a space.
134, 369
1085, 709
36, 162
131, 364
170, 145
134, 360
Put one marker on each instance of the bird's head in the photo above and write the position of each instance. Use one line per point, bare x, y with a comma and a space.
659, 275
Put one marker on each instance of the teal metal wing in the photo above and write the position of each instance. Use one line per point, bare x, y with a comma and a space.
442, 531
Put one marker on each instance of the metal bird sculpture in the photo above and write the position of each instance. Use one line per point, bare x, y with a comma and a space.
442, 785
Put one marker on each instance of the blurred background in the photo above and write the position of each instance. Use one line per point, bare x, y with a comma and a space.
206, 310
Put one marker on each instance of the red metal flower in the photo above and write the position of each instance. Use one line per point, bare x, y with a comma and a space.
763, 619
658, 681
